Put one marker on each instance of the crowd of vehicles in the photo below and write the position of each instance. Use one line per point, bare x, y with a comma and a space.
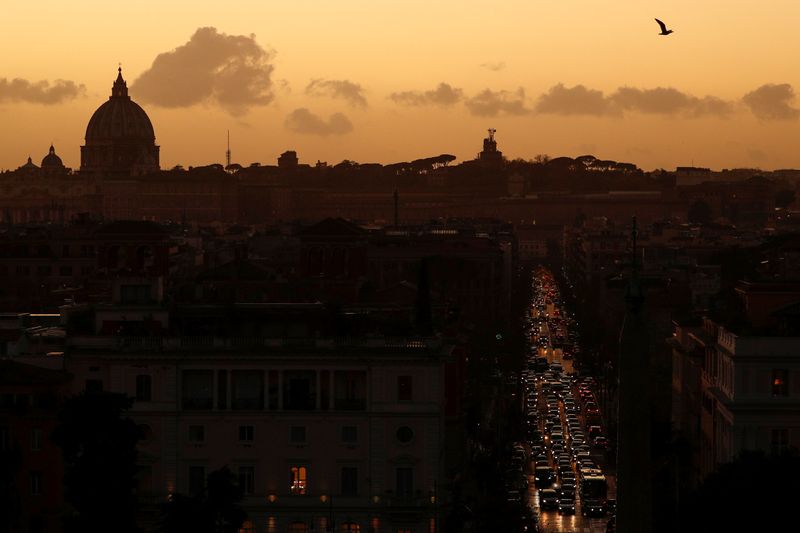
563, 423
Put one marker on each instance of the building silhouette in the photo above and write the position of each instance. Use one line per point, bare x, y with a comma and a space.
119, 138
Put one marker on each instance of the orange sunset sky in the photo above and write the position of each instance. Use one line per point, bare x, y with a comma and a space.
385, 81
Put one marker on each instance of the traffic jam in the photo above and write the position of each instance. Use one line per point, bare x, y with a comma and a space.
565, 442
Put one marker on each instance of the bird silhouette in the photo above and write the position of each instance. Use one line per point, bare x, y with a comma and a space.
664, 30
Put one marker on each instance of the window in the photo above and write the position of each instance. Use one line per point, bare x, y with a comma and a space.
94, 385
246, 434
405, 481
325, 390
404, 434
222, 389
404, 388
144, 384
780, 440
65, 271
297, 434
349, 481
36, 439
298, 479
274, 390
134, 294
247, 479
780, 382
299, 390
247, 527
350, 390
298, 527
198, 386
247, 390
197, 479
350, 527
144, 479
36, 483
5, 439
197, 434
350, 434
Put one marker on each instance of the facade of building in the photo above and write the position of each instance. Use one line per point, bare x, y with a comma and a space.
318, 430
736, 384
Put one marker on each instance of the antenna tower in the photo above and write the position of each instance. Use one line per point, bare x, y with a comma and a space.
228, 152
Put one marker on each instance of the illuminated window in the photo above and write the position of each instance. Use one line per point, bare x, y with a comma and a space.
247, 527
298, 527
350, 527
298, 479
272, 525
780, 382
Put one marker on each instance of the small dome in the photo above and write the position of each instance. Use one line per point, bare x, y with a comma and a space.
119, 119
51, 160
30, 165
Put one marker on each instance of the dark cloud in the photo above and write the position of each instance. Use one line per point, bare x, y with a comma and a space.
580, 100
232, 71
494, 66
302, 120
351, 92
39, 92
772, 102
443, 95
669, 101
492, 103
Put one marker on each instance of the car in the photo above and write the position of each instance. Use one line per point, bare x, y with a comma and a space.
600, 442
611, 526
566, 506
595, 431
548, 499
543, 476
611, 506
593, 508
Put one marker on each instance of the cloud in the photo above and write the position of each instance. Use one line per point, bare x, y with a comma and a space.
39, 92
669, 101
772, 102
443, 95
494, 66
232, 71
492, 103
303, 121
580, 100
351, 92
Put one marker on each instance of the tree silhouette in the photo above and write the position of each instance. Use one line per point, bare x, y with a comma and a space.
214, 510
99, 448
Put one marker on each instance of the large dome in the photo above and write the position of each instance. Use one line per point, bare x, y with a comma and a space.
119, 138
120, 118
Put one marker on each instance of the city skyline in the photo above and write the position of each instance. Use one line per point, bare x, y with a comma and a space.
368, 83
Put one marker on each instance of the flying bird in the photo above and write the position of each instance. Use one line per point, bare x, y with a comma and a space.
664, 30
